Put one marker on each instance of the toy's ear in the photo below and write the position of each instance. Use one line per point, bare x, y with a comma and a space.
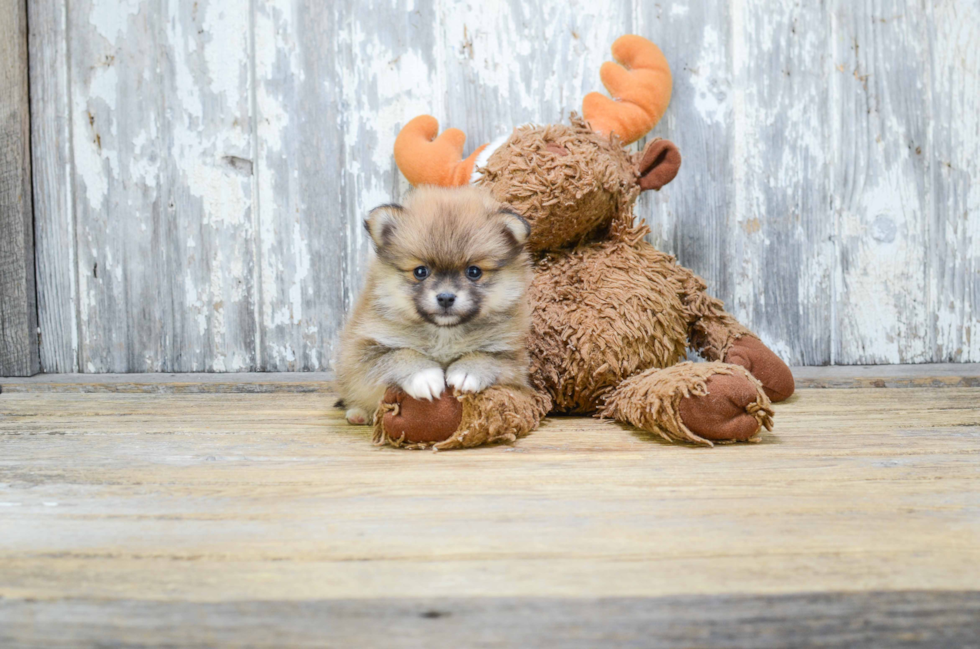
380, 223
659, 164
516, 225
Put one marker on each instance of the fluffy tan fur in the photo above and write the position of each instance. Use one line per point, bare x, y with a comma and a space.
399, 334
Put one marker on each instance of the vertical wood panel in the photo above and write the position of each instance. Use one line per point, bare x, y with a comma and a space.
882, 181
163, 175
54, 223
783, 252
18, 309
692, 217
301, 223
954, 250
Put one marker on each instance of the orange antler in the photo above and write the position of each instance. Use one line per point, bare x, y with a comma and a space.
641, 90
429, 160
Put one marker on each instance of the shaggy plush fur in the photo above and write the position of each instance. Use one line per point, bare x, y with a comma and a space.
589, 180
651, 400
608, 311
498, 414
611, 317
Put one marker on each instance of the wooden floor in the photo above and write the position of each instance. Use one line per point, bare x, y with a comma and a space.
167, 512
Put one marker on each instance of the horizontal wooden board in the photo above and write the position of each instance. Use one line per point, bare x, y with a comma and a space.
828, 620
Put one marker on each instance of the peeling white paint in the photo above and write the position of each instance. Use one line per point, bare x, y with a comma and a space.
710, 80
110, 18
799, 125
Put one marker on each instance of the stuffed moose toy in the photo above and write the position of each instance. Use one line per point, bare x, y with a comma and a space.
612, 317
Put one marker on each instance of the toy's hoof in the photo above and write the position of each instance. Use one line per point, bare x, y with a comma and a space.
414, 421
775, 376
724, 413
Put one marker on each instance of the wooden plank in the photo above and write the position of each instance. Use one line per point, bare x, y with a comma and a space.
18, 307
882, 182
963, 375
783, 252
272, 497
954, 249
692, 217
162, 144
845, 620
300, 221
889, 376
54, 222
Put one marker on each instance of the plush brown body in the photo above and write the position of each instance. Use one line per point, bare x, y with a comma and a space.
612, 318
606, 305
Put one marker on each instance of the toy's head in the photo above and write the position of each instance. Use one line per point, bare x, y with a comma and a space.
570, 182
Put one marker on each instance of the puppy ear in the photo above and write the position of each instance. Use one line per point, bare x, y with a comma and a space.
515, 225
380, 223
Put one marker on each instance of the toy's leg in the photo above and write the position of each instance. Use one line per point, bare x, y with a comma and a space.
717, 336
498, 414
693, 402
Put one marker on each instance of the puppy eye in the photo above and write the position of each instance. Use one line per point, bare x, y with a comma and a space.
474, 272
421, 272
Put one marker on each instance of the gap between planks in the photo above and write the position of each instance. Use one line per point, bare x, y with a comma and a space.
930, 375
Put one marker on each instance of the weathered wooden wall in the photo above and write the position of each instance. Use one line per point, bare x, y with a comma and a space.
18, 310
201, 167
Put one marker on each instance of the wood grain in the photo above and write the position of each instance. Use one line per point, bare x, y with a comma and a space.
954, 250
54, 209
301, 226
883, 183
827, 620
18, 306
782, 255
271, 496
122, 510
829, 193
162, 146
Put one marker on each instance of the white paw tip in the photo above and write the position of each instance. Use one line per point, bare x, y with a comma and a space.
427, 384
465, 382
356, 416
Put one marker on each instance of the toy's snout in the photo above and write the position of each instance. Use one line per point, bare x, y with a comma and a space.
658, 164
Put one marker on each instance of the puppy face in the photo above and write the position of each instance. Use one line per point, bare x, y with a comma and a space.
448, 256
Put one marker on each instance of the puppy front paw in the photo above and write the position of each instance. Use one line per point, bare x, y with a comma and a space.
357, 416
468, 379
427, 384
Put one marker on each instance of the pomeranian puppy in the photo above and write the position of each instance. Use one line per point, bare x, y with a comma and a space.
444, 301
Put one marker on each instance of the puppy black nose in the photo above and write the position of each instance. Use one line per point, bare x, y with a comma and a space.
445, 300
